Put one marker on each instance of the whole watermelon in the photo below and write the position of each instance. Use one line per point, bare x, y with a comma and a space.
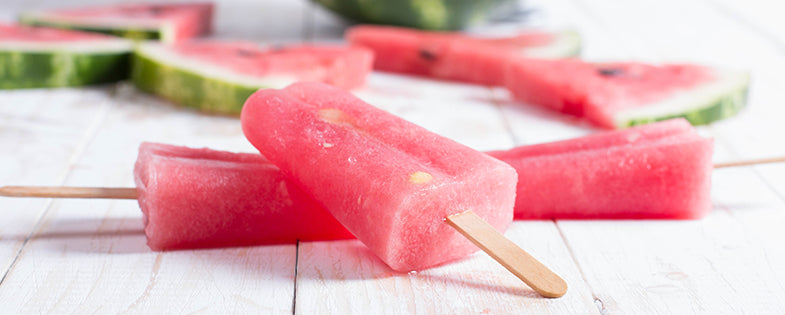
423, 14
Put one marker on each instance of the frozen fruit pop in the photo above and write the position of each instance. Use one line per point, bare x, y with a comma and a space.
388, 181
197, 198
656, 171
201, 198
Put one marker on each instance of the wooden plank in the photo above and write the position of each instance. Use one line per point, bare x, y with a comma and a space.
41, 131
345, 277
90, 255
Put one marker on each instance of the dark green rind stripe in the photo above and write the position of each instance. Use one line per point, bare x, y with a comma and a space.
723, 107
130, 33
424, 14
57, 69
187, 88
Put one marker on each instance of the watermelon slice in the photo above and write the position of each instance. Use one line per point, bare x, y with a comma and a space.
165, 22
200, 198
217, 77
622, 94
455, 56
34, 57
656, 171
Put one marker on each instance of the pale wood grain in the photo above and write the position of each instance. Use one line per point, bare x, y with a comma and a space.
345, 277
68, 192
527, 268
750, 162
90, 255
41, 131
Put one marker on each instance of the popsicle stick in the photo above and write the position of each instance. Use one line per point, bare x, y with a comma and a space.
544, 281
68, 192
750, 162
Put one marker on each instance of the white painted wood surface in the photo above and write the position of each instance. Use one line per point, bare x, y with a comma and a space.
88, 256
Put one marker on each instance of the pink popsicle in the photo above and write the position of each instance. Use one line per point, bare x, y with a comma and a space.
388, 181
199, 198
656, 171
674, 184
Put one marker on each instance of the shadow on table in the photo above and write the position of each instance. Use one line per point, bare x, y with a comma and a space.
320, 262
107, 235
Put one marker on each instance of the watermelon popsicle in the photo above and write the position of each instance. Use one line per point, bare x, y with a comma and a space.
655, 171
391, 183
202, 198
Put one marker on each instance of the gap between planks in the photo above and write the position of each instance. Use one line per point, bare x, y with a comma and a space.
81, 146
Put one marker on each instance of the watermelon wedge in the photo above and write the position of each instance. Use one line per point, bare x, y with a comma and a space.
656, 171
456, 56
201, 198
217, 77
35, 57
165, 22
622, 94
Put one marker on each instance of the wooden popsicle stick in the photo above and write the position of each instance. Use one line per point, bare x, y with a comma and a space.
544, 281
68, 192
750, 162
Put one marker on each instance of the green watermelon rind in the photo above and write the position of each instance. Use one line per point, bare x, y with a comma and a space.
722, 104
565, 44
195, 86
162, 32
70, 64
423, 14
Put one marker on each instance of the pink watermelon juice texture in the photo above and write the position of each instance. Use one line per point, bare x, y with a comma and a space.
450, 56
200, 198
600, 92
388, 181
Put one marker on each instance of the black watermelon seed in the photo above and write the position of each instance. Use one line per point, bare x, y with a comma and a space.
427, 55
156, 10
610, 71
245, 52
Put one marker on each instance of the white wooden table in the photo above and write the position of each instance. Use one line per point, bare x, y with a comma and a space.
89, 256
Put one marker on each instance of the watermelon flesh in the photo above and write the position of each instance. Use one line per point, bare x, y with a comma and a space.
202, 198
218, 76
388, 181
657, 171
454, 56
345, 67
621, 94
10, 32
168, 22
33, 57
